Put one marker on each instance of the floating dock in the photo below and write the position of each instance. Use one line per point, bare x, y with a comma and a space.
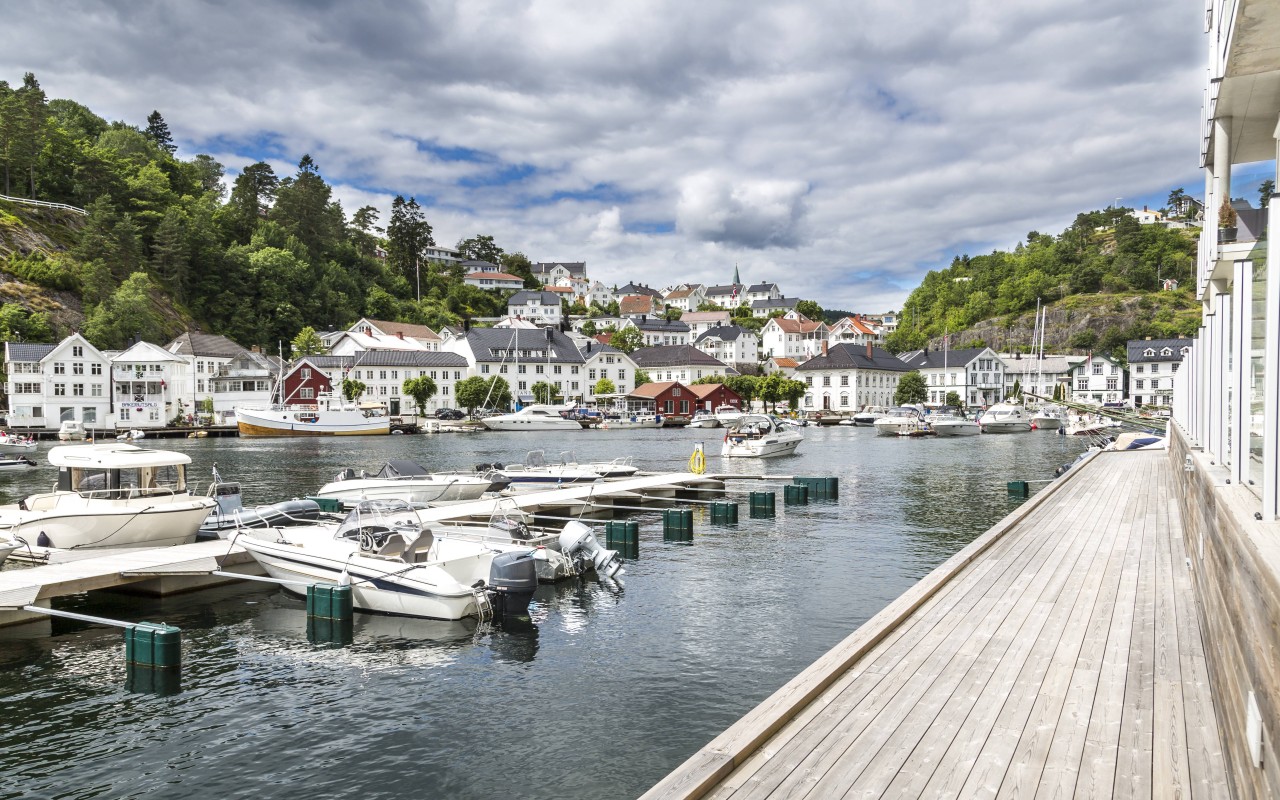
1059, 654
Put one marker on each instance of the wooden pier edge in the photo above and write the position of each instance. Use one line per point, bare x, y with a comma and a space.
718, 758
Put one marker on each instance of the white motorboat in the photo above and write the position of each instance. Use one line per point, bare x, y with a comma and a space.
402, 479
536, 417
71, 431
1005, 418
131, 436
726, 415
898, 420
637, 420
395, 566
618, 468
329, 417
7, 546
230, 514
558, 555
760, 436
867, 417
1049, 418
8, 439
111, 495
704, 419
10, 462
953, 425
535, 472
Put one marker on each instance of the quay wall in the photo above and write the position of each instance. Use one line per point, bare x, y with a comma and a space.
1235, 564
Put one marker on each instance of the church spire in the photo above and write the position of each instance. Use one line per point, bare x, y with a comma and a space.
736, 280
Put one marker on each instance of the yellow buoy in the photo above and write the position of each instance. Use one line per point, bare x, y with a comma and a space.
698, 461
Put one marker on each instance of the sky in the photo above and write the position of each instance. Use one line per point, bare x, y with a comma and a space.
840, 149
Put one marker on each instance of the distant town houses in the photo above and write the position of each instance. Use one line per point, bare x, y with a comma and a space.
1039, 377
854, 330
769, 307
792, 336
700, 322
731, 344
846, 377
1152, 365
658, 332
540, 307
684, 363
484, 275
976, 375
1098, 379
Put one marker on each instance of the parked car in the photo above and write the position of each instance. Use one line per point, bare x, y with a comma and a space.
449, 413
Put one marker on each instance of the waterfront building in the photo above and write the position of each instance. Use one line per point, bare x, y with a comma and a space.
731, 344
846, 377
711, 396
974, 373
1099, 379
602, 361
1038, 376
1152, 365
383, 372
249, 379
541, 307
678, 363
662, 397
523, 357
146, 379
792, 336
48, 384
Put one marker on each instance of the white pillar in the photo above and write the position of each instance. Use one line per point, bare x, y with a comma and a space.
1271, 382
1241, 330
1221, 165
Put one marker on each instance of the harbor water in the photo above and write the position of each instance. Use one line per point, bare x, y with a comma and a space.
604, 693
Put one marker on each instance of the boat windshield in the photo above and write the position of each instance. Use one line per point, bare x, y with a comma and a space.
535, 458
131, 482
751, 424
390, 514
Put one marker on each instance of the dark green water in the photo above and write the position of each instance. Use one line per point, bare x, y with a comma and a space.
607, 692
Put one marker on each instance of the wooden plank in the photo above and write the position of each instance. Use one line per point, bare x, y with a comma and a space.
1170, 775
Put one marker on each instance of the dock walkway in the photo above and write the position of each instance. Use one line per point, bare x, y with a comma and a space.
1058, 655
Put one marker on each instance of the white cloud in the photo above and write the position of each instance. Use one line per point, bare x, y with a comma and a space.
838, 148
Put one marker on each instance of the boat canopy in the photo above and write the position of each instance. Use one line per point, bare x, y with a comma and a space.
113, 455
402, 468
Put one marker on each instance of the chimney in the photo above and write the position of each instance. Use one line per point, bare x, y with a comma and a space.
824, 348
400, 335
868, 349
255, 349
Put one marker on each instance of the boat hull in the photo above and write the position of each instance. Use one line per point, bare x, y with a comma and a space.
529, 424
969, 429
410, 491
130, 523
284, 422
1009, 426
1046, 423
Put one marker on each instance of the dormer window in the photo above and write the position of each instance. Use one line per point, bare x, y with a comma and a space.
1149, 352
1168, 351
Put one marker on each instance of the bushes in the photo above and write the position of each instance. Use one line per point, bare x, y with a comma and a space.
37, 268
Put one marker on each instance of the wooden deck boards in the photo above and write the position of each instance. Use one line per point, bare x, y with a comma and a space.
1065, 660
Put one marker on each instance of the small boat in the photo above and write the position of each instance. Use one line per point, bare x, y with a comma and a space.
638, 420
402, 479
71, 431
229, 514
396, 566
726, 415
867, 417
898, 419
131, 436
331, 416
704, 419
536, 417
536, 472
8, 439
1005, 418
760, 436
9, 462
953, 425
618, 468
111, 495
7, 546
1049, 418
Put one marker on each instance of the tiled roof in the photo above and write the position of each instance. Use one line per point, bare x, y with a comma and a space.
795, 325
789, 363
1136, 348
636, 304
679, 294
854, 356
660, 324
20, 351
497, 276
484, 341
941, 359
782, 302
558, 289
674, 355
704, 389
409, 330
652, 390
204, 344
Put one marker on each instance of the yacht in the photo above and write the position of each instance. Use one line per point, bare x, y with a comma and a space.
726, 415
1005, 418
760, 436
868, 415
620, 467
953, 425
898, 420
402, 479
1049, 418
396, 566
330, 416
111, 495
704, 419
7, 546
536, 417
71, 431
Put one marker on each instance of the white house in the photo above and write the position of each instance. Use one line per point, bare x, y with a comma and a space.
731, 344
976, 374
209, 356
658, 331
1098, 379
794, 336
383, 372
686, 297
853, 330
149, 382
561, 273
728, 296
542, 308
600, 295
493, 279
421, 334
50, 383
1152, 365
761, 291
249, 379
846, 377
523, 358
1147, 216
636, 306
767, 306
603, 361
700, 322
684, 363
1037, 376
787, 366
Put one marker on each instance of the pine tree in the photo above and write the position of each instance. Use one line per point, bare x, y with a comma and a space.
408, 237
158, 132
169, 252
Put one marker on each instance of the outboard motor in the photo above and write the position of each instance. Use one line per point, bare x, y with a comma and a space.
579, 544
513, 578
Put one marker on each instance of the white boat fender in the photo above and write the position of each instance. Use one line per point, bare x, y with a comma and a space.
344, 577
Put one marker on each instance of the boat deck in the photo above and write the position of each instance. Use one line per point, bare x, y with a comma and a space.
1060, 654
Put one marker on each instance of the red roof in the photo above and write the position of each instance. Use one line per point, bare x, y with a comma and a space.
653, 389
795, 325
501, 276
785, 362
560, 289
636, 304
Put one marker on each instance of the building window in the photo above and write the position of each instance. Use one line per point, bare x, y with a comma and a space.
77, 351
59, 368
77, 368
306, 373
307, 394
1138, 384
844, 380
1155, 368
89, 415
77, 389
484, 369
59, 389
1097, 368
1113, 383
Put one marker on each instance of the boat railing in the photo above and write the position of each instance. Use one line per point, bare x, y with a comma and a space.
130, 492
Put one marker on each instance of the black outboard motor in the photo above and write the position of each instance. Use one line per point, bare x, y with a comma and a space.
513, 578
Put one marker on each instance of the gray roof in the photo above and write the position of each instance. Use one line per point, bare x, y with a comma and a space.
477, 265
782, 302
763, 287
592, 347
523, 297
388, 358
484, 341
941, 359
658, 324
576, 268
721, 290
1137, 346
854, 356
674, 355
726, 333
19, 351
639, 288
204, 344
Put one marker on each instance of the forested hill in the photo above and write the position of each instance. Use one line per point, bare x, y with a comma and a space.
164, 245
1101, 278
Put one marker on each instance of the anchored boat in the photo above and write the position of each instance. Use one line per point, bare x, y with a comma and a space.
760, 436
535, 417
403, 479
1005, 418
329, 417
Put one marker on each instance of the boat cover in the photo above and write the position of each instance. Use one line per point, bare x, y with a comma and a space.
401, 468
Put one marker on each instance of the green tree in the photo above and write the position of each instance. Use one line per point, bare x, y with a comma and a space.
304, 209
745, 386
130, 313
911, 389
352, 389
605, 386
642, 377
1265, 191
707, 305
589, 328
544, 392
771, 388
672, 314
408, 237
169, 252
1016, 394
252, 193
1176, 197
498, 392
158, 132
628, 340
953, 400
470, 393
793, 391
480, 248
307, 343
421, 390
810, 309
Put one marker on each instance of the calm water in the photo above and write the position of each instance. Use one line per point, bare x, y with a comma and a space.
602, 696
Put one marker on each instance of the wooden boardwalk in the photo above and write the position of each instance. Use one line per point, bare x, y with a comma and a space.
1059, 655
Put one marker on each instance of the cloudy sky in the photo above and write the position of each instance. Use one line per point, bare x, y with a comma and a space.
838, 148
